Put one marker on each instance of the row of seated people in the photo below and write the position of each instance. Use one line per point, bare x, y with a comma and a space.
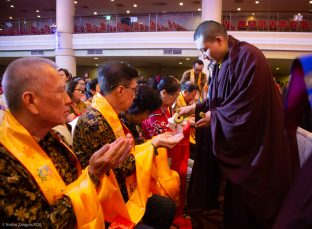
271, 25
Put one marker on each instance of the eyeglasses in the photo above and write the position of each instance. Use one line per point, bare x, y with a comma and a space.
81, 91
135, 89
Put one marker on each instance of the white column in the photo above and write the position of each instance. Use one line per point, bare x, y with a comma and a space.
211, 10
64, 53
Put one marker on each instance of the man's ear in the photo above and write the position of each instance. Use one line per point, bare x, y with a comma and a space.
30, 101
163, 93
120, 91
219, 40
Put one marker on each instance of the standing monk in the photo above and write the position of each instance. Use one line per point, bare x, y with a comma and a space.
243, 134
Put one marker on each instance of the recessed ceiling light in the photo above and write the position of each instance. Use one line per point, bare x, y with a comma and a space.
135, 5
238, 9
181, 3
95, 13
12, 6
75, 2
277, 69
8, 0
96, 65
0, 29
310, 2
253, 14
38, 16
187, 58
11, 18
112, 0
95, 58
199, 9
128, 11
180, 63
37, 11
257, 2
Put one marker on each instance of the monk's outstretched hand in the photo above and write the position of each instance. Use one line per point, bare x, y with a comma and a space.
205, 121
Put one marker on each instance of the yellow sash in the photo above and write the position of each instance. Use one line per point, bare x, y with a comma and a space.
138, 185
199, 84
181, 103
82, 193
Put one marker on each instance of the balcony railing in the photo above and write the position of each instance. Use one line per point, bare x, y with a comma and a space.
188, 21
267, 21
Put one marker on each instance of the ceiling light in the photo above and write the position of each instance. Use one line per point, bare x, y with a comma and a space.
135, 5
0, 29
277, 69
181, 3
96, 65
112, 0
95, 13
75, 2
95, 58
253, 14
199, 9
11, 18
187, 58
310, 2
37, 11
238, 9
257, 2
180, 63
8, 0
12, 6
128, 11
108, 17
38, 16
25, 22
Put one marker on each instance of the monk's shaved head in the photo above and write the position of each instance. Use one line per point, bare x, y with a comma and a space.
208, 31
25, 74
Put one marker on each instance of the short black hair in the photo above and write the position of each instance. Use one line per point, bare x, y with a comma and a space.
199, 62
189, 86
146, 99
113, 74
65, 71
70, 87
91, 85
168, 83
210, 30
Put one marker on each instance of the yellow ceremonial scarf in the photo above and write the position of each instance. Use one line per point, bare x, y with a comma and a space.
138, 185
181, 103
82, 193
199, 84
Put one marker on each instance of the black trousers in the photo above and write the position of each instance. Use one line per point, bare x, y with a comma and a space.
159, 213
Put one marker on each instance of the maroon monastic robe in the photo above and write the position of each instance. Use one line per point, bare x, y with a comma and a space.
246, 140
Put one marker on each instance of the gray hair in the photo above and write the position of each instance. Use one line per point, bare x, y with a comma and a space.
22, 75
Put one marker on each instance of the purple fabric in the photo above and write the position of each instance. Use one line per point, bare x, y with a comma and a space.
248, 137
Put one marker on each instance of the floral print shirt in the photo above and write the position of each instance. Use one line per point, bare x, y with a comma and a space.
91, 133
156, 123
21, 200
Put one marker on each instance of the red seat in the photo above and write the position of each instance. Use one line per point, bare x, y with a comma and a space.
272, 25
283, 25
262, 25
294, 25
252, 24
241, 25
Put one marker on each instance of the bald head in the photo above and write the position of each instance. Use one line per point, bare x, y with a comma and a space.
25, 74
